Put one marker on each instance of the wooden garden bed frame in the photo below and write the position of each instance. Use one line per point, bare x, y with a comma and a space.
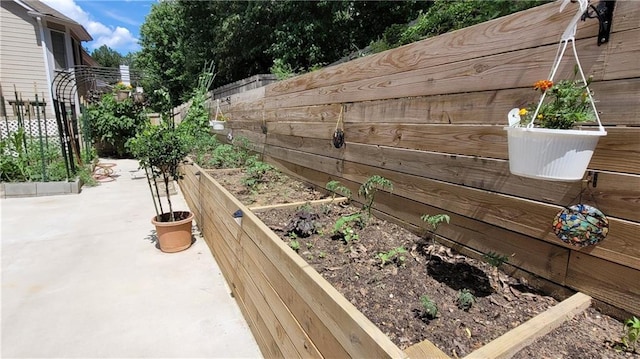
292, 310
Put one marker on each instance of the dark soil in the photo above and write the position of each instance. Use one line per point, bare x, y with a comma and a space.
390, 294
274, 188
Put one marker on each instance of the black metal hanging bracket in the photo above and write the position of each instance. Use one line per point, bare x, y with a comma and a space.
604, 13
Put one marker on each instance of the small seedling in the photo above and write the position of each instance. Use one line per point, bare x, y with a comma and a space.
370, 187
322, 255
495, 259
395, 254
465, 299
336, 187
430, 308
256, 172
309, 245
435, 220
294, 244
344, 227
631, 337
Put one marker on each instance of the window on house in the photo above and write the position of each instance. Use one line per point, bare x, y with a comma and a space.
59, 49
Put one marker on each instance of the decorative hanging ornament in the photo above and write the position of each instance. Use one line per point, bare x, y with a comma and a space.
338, 134
338, 138
581, 225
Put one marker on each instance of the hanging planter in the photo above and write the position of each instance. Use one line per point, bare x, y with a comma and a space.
219, 120
543, 141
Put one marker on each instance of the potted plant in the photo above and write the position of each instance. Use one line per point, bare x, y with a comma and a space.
122, 91
161, 150
544, 140
217, 124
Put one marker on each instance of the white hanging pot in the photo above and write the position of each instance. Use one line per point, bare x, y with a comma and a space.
216, 125
549, 154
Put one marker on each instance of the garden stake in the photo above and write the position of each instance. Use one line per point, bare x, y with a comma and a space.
46, 130
44, 167
20, 119
146, 171
56, 108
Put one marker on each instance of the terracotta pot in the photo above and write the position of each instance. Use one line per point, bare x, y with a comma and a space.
174, 236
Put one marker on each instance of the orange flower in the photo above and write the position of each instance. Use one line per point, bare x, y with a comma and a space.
543, 85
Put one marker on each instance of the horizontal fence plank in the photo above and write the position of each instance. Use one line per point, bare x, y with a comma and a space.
523, 216
505, 70
327, 345
321, 163
618, 151
317, 146
617, 105
282, 325
513, 32
607, 281
617, 195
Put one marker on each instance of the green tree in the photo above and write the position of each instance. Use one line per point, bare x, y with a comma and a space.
107, 57
162, 54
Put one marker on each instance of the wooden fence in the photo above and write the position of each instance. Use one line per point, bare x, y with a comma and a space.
429, 116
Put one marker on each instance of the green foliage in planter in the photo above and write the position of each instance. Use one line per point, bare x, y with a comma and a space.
465, 299
370, 187
393, 255
495, 259
345, 227
429, 306
256, 172
115, 122
20, 163
196, 122
161, 149
337, 187
631, 338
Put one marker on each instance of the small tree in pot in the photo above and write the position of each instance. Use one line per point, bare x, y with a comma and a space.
161, 150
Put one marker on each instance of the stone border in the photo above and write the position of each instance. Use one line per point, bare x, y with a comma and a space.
38, 189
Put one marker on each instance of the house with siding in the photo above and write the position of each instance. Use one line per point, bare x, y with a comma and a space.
36, 42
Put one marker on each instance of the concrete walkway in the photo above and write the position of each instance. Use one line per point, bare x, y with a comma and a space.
82, 279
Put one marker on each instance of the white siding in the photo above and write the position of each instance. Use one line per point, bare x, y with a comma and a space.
21, 58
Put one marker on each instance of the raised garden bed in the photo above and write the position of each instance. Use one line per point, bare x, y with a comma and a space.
387, 295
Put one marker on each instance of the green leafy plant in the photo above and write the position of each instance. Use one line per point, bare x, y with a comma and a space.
566, 103
631, 337
436, 220
495, 259
303, 223
255, 172
429, 306
369, 188
294, 244
114, 123
465, 299
160, 150
395, 254
337, 187
344, 227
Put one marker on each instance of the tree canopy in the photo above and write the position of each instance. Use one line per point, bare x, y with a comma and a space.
244, 38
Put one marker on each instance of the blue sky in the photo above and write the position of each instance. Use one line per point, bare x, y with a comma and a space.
115, 23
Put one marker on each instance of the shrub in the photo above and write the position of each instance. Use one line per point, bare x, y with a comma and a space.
113, 123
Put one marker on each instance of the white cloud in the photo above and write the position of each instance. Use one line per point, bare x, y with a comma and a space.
118, 38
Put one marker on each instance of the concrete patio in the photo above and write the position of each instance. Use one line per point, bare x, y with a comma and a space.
81, 278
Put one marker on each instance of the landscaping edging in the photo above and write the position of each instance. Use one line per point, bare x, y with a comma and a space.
37, 189
292, 310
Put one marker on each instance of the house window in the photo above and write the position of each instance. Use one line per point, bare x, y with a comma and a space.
59, 49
